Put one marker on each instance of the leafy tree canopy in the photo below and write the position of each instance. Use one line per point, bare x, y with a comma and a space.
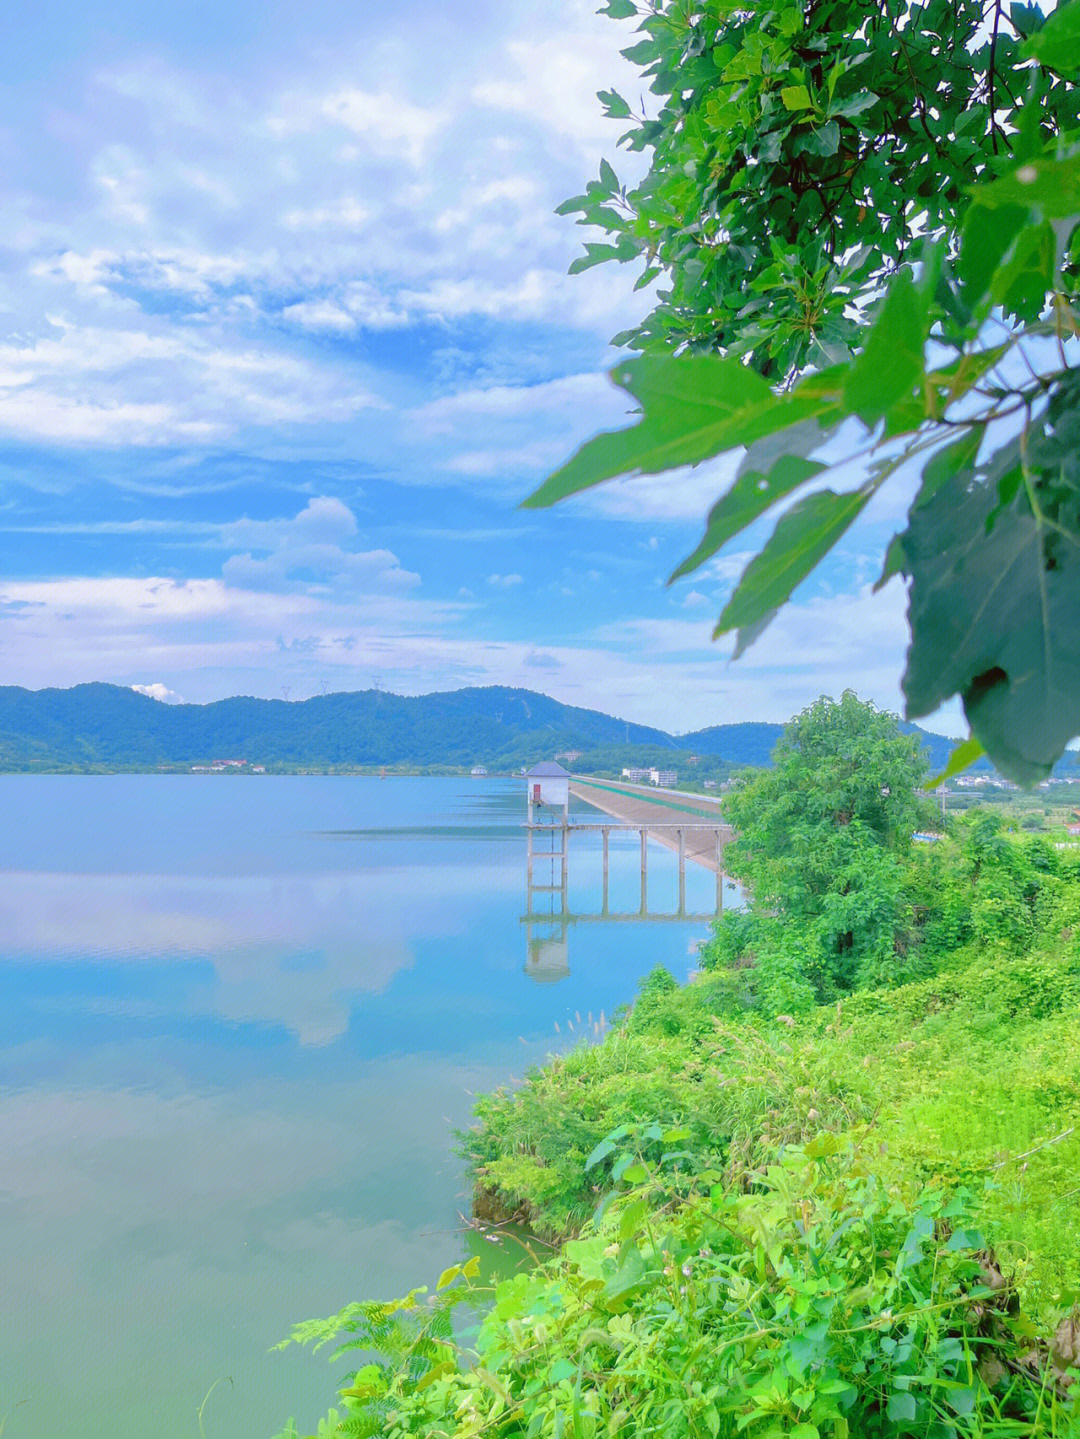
862, 219
822, 838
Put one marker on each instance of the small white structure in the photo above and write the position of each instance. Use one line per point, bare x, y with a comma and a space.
635, 776
478, 771
548, 785
665, 778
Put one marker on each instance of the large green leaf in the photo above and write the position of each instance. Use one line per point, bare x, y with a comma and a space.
803, 536
770, 471
891, 362
693, 407
994, 616
962, 757
988, 233
1050, 184
1057, 43
942, 465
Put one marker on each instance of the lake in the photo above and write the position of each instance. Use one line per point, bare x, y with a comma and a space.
240, 1017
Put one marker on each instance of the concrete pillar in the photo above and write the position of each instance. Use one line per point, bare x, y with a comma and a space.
606, 833
644, 866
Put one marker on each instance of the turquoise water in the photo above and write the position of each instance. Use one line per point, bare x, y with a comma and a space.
239, 1017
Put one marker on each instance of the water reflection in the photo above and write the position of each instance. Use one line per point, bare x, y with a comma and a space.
238, 1020
551, 913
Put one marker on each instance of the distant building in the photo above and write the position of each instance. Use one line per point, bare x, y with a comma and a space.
229, 763
548, 785
1073, 828
200, 769
635, 776
665, 778
478, 771
258, 769
569, 755
710, 784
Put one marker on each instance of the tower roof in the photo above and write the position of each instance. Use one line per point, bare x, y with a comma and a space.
548, 769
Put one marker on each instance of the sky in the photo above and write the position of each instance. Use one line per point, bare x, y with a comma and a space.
286, 336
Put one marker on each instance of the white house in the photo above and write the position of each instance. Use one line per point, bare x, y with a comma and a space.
664, 777
549, 785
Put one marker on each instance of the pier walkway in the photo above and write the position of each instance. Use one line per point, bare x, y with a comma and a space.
662, 814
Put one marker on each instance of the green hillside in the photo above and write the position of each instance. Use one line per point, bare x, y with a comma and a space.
109, 727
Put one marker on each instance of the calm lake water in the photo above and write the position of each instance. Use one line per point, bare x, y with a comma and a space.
238, 1020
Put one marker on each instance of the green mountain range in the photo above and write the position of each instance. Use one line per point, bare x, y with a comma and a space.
102, 726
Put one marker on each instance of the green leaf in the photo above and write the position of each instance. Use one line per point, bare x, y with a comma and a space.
987, 235
602, 1150
608, 177
694, 407
1046, 183
448, 1276
597, 254
962, 757
629, 1276
1057, 44
760, 483
901, 1407
676, 1136
853, 105
616, 107
942, 465
1021, 283
803, 536
825, 140
891, 362
631, 1217
995, 617
796, 97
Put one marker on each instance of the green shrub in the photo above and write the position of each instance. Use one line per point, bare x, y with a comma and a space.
819, 1302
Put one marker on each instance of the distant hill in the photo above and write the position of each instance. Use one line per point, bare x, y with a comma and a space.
753, 742
102, 726
94, 725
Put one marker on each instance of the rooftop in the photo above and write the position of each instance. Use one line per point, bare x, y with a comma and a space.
548, 769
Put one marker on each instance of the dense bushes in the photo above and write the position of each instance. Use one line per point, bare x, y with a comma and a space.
782, 1216
815, 1301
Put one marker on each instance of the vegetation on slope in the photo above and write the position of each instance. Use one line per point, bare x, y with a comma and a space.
99, 726
828, 1188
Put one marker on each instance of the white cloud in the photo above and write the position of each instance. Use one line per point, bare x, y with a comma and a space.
388, 123
346, 213
64, 385
504, 581
159, 691
556, 72
320, 315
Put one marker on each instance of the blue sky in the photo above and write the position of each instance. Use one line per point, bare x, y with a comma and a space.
285, 336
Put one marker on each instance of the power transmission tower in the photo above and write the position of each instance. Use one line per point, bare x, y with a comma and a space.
285, 689
324, 685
